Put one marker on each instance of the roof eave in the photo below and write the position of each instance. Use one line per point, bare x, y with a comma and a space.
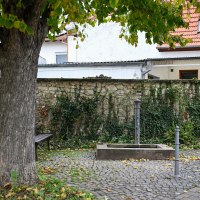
187, 48
96, 64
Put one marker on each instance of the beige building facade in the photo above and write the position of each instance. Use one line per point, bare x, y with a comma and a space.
175, 68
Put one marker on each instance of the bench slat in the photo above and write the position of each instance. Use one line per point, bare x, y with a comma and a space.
41, 137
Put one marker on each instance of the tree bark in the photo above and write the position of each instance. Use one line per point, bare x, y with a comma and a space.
18, 65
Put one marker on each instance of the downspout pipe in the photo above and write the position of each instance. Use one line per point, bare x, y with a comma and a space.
146, 68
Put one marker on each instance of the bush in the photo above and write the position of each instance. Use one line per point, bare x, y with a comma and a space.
158, 113
76, 120
187, 136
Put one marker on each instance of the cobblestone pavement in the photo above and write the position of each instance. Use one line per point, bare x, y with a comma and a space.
129, 179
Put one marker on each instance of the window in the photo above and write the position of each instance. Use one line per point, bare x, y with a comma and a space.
188, 74
61, 58
198, 31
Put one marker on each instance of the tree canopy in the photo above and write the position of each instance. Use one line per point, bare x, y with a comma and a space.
24, 24
155, 17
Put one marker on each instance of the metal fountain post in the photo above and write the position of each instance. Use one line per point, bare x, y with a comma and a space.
137, 120
176, 170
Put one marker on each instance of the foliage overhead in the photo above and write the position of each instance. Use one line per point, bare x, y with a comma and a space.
157, 18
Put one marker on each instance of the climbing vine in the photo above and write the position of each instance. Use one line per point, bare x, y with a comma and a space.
158, 112
166, 107
75, 119
78, 120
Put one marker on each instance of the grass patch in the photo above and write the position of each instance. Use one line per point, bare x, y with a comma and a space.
81, 174
48, 188
44, 154
56, 163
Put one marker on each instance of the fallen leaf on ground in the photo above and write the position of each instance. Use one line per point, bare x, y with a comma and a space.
168, 164
7, 186
10, 194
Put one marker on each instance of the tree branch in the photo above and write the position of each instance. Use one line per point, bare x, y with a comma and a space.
1, 31
4, 37
34, 12
29, 10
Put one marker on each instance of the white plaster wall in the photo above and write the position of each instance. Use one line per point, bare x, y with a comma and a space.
49, 49
123, 72
72, 51
103, 44
42, 60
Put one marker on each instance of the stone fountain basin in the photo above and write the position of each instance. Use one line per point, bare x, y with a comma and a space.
133, 151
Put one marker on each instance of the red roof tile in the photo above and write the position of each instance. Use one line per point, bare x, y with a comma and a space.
62, 37
191, 32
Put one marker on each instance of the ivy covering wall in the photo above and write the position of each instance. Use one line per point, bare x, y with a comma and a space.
80, 112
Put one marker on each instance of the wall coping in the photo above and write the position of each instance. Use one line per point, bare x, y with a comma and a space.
117, 80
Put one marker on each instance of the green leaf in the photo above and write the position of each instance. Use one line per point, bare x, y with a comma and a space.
8, 24
17, 24
113, 3
77, 46
29, 30
157, 18
19, 4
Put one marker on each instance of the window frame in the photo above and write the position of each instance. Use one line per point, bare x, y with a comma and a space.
198, 26
61, 53
192, 70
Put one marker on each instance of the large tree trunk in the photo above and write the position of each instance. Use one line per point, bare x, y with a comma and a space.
18, 66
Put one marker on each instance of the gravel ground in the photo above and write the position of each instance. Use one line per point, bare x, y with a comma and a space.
128, 179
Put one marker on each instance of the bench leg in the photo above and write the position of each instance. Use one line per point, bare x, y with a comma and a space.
48, 143
36, 156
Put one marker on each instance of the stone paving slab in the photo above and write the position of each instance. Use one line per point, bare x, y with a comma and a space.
129, 180
192, 194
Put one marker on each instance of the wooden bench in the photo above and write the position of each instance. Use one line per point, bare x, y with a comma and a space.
41, 138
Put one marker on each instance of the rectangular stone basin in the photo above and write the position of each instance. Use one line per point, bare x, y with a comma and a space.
133, 151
